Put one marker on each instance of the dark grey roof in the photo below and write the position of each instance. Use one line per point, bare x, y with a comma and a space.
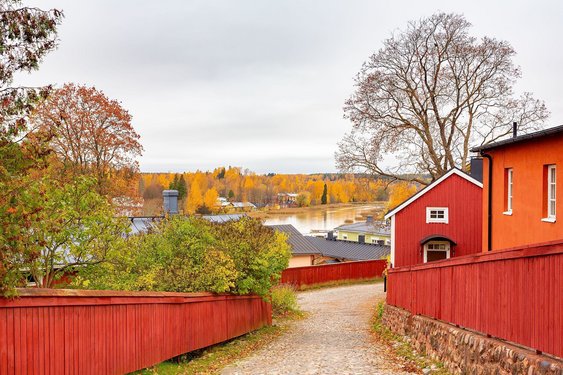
520, 138
223, 218
349, 250
376, 227
297, 241
146, 223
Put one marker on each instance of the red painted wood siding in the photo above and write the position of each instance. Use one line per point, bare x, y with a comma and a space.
515, 295
319, 274
464, 202
102, 332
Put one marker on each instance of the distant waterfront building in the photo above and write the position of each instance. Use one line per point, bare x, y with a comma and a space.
287, 199
370, 232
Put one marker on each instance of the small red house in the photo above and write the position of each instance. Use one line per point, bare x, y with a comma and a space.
441, 221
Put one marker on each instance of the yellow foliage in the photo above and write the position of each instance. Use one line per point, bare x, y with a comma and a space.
400, 192
248, 186
210, 199
194, 200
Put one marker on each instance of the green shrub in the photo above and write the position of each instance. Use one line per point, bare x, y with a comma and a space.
187, 254
284, 300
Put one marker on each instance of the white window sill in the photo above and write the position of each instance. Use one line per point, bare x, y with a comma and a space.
548, 220
436, 222
508, 213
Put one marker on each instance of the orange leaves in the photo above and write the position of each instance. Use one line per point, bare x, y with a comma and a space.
241, 185
400, 192
93, 135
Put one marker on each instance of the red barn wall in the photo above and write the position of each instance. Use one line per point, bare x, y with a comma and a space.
464, 201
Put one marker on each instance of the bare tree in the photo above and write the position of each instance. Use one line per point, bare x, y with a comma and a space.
429, 94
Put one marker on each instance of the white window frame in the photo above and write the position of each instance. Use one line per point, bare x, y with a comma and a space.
431, 220
447, 249
551, 194
509, 190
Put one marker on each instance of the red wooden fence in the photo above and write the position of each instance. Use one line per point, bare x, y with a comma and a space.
106, 332
515, 295
312, 275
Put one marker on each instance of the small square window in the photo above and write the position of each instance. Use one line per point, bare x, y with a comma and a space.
437, 215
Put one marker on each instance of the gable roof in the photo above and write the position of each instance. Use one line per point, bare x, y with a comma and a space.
375, 227
451, 172
297, 241
349, 250
223, 218
521, 138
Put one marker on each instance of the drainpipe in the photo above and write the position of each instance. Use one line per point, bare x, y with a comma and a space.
490, 202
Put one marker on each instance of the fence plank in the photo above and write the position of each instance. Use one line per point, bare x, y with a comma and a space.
312, 275
101, 332
515, 295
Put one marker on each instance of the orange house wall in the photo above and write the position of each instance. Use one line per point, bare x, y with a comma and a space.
527, 160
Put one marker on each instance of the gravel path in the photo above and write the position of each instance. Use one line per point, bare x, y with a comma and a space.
334, 339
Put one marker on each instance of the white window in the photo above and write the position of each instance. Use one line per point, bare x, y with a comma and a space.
509, 178
551, 178
436, 250
437, 215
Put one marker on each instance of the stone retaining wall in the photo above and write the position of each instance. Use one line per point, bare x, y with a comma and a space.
466, 352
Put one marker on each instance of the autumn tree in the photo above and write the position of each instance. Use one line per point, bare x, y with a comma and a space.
210, 199
93, 135
194, 200
400, 192
26, 36
303, 199
429, 93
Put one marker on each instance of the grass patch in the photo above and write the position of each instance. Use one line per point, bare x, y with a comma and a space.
340, 283
284, 302
400, 347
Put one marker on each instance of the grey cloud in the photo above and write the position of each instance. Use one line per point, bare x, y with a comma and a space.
258, 83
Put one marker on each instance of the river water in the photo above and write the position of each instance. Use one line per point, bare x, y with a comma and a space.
322, 219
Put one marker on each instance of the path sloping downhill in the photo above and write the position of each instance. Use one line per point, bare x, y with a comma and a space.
335, 338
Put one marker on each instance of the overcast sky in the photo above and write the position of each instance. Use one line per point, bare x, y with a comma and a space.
261, 84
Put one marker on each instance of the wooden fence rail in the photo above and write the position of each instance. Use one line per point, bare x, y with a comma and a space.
105, 332
311, 275
515, 295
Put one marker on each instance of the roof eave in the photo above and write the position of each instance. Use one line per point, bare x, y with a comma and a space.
521, 138
419, 194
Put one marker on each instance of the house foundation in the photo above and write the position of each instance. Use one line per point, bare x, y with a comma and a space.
467, 352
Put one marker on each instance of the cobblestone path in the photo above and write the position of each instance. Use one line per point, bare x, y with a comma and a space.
334, 339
